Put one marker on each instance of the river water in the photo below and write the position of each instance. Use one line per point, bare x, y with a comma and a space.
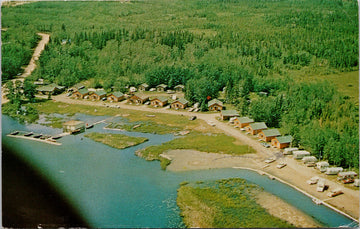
113, 188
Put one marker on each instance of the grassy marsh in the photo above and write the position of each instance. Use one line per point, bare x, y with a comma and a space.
118, 141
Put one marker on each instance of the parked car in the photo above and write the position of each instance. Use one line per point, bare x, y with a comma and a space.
266, 145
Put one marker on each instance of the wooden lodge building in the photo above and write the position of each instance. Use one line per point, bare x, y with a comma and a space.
281, 142
97, 95
255, 128
52, 89
159, 101
215, 105
179, 104
80, 94
268, 134
138, 98
242, 122
73, 126
116, 96
179, 88
227, 114
161, 87
143, 87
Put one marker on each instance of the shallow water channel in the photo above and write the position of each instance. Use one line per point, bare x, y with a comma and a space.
114, 188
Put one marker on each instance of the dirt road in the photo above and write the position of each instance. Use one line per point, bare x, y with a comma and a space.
45, 38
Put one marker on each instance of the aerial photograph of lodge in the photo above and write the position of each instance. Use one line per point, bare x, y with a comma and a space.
180, 114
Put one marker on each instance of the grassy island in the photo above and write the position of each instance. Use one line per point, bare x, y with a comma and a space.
210, 143
228, 203
118, 141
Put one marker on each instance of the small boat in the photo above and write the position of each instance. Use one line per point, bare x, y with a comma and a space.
313, 180
56, 137
51, 140
317, 201
89, 126
37, 136
44, 137
28, 134
14, 132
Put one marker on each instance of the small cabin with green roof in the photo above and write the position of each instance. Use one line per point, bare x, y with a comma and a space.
138, 98
80, 94
281, 142
268, 134
242, 122
227, 114
179, 88
143, 87
181, 103
159, 101
97, 95
255, 128
50, 89
161, 87
116, 96
215, 105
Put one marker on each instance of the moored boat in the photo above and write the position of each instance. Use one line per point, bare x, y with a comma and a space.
28, 134
89, 126
37, 136
14, 132
56, 137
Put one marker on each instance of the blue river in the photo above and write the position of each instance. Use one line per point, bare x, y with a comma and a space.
113, 188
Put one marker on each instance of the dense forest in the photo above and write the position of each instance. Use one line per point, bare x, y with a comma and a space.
245, 46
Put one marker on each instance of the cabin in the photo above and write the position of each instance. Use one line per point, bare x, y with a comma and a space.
73, 126
179, 88
242, 121
268, 134
116, 96
288, 151
143, 87
76, 87
322, 166
159, 101
281, 142
80, 94
97, 95
227, 114
138, 98
255, 128
52, 89
299, 154
161, 87
215, 105
181, 103
333, 170
309, 159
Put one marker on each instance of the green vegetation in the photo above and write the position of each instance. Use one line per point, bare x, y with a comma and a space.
224, 204
220, 143
118, 141
247, 46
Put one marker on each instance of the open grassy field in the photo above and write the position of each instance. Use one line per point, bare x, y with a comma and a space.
224, 204
211, 143
118, 141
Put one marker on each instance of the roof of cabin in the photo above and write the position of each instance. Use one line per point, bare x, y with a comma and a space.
182, 100
83, 91
161, 99
100, 92
215, 101
258, 126
245, 120
179, 86
117, 94
162, 85
284, 139
229, 113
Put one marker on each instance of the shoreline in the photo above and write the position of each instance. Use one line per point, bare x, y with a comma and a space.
35, 139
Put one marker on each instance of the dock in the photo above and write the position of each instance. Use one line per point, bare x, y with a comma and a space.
22, 135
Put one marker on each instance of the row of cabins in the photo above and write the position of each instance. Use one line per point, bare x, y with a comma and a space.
98, 95
257, 128
160, 101
161, 87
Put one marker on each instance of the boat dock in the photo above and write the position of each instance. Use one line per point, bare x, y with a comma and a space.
30, 136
